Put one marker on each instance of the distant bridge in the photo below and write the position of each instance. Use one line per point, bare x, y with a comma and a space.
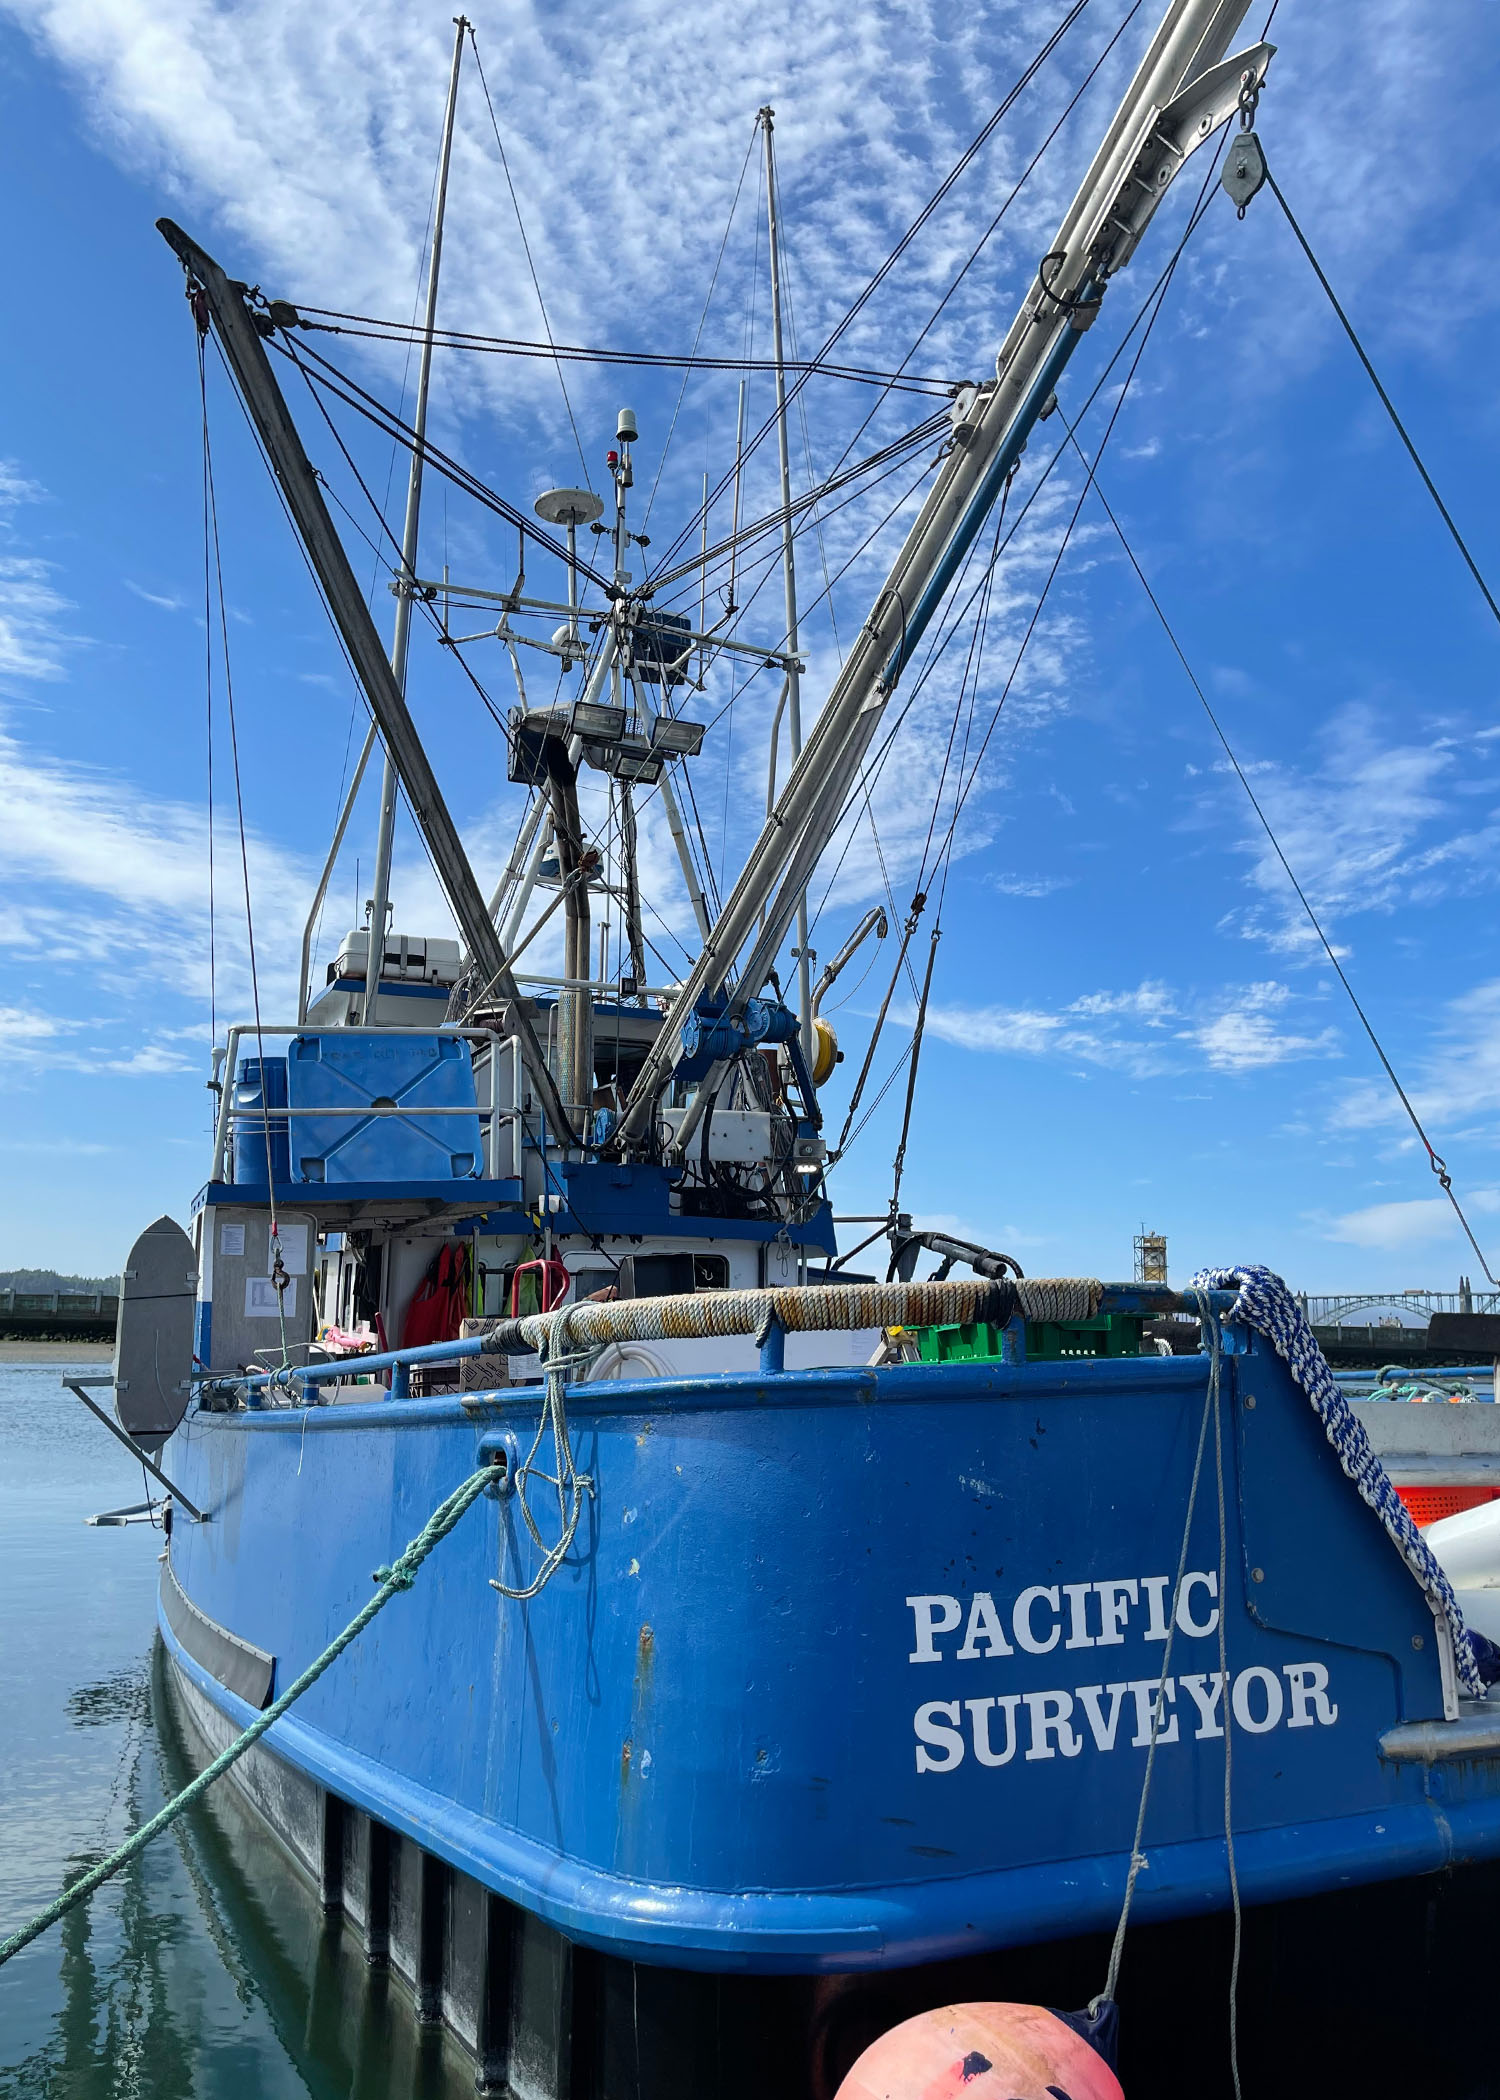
1333, 1310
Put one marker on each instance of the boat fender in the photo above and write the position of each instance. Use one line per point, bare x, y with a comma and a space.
989, 2052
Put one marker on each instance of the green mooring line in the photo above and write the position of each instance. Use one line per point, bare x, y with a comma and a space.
399, 1576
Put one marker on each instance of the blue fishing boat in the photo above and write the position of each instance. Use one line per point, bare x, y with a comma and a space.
810, 1638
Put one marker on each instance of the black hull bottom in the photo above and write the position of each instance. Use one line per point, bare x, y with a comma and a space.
1378, 1988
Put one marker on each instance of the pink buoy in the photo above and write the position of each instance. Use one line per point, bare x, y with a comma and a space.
981, 2052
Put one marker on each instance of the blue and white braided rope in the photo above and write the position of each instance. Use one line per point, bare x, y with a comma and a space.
1265, 1303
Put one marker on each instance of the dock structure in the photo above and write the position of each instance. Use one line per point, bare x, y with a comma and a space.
58, 1316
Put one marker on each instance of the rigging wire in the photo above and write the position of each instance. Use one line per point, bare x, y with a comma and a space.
827, 594
984, 240
760, 528
212, 549
208, 686
973, 774
338, 383
914, 1055
373, 410
319, 593
370, 328
1385, 401
354, 396
381, 559
912, 916
938, 196
1149, 311
1157, 294
690, 363
536, 283
970, 671
1434, 1159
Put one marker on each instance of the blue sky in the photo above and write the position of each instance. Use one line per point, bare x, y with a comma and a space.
1129, 1022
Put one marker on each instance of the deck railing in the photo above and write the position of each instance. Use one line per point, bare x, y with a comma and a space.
75, 1305
491, 1113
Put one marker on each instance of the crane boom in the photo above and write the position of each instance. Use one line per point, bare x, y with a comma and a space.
1183, 91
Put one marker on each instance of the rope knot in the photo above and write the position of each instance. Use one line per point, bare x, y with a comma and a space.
399, 1576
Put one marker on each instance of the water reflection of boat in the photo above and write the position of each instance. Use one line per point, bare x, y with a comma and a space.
210, 1966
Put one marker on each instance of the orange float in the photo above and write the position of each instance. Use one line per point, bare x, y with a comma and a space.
981, 2052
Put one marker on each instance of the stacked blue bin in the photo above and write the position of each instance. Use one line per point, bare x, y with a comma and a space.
260, 1085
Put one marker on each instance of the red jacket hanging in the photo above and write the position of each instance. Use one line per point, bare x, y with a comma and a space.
437, 1310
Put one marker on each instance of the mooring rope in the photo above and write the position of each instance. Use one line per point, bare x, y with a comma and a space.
400, 1575
1158, 1703
571, 1485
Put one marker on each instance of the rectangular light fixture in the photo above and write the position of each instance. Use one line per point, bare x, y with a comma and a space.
633, 759
678, 739
593, 718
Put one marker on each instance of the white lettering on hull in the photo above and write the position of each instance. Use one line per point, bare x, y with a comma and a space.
1092, 1614
1258, 1700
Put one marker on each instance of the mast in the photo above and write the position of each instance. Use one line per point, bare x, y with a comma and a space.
1183, 91
406, 580
788, 559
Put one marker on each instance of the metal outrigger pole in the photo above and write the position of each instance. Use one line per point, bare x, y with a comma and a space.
227, 307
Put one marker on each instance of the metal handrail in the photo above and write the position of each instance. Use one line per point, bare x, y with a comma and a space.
1132, 1298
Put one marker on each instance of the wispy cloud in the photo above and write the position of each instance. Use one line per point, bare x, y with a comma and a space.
156, 598
92, 870
1453, 1081
32, 642
1246, 1035
1146, 1031
31, 639
17, 487
1029, 885
1370, 827
1391, 1227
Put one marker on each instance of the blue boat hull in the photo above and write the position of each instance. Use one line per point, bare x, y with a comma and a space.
848, 1669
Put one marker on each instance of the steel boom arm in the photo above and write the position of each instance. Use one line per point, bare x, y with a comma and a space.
272, 419
1182, 92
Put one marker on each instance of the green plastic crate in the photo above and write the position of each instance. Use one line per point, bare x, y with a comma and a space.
972, 1343
1107, 1334
1046, 1341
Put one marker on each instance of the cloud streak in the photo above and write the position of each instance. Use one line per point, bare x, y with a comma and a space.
1146, 1032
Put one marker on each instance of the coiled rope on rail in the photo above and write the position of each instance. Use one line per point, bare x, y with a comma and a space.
958, 1301
1265, 1303
400, 1575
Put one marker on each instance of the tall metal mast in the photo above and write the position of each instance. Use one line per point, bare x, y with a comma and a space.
1184, 89
406, 580
788, 560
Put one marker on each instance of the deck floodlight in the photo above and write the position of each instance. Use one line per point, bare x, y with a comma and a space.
597, 720
677, 739
632, 759
527, 735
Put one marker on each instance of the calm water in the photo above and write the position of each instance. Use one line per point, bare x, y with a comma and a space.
205, 1969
